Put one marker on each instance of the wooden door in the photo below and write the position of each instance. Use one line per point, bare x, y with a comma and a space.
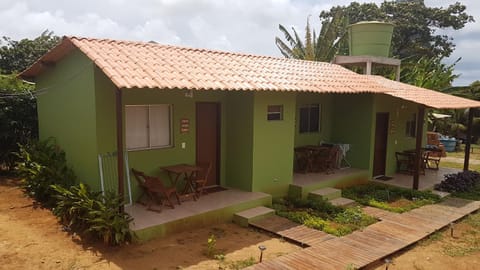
208, 138
380, 151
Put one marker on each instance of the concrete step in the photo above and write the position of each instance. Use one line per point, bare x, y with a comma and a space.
442, 194
343, 202
244, 217
327, 193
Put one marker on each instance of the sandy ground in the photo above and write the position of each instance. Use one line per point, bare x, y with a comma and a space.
31, 238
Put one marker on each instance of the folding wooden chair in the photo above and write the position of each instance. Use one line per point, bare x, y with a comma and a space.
201, 178
153, 188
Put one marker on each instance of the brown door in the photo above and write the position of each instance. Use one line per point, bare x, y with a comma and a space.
208, 138
381, 136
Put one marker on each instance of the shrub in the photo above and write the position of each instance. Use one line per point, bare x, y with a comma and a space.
379, 195
83, 210
459, 182
42, 164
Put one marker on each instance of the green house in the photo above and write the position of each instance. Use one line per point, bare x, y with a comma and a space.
244, 114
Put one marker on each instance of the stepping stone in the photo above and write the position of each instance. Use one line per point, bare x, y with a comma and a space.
343, 202
244, 217
442, 194
327, 193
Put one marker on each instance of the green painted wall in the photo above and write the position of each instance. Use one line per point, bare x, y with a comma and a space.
326, 119
106, 114
352, 124
273, 143
239, 159
66, 111
151, 160
400, 111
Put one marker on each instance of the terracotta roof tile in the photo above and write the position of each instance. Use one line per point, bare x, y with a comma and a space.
132, 65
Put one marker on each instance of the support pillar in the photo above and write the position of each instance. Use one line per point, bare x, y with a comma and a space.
466, 160
120, 157
418, 146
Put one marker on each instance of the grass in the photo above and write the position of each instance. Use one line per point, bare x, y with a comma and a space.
469, 241
461, 154
456, 165
321, 215
473, 194
394, 199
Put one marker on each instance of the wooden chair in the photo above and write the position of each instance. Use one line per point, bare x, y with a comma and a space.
326, 159
153, 188
405, 162
433, 160
201, 178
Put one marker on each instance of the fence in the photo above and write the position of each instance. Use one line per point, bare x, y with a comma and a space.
107, 165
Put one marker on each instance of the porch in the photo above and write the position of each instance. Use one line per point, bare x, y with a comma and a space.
211, 208
426, 182
303, 183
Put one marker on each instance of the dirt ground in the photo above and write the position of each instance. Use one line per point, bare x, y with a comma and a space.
31, 238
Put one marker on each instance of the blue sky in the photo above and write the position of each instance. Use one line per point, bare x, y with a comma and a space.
234, 25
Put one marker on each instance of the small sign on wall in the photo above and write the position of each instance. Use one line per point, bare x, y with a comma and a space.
184, 125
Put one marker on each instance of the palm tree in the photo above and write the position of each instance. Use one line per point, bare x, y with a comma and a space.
331, 41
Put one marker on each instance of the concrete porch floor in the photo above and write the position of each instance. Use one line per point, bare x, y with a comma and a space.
426, 182
209, 209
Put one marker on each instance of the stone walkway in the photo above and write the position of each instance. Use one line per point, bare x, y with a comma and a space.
392, 233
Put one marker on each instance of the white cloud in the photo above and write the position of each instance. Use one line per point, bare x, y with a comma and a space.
235, 25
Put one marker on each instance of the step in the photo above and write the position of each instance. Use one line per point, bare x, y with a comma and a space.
442, 194
343, 202
244, 217
327, 193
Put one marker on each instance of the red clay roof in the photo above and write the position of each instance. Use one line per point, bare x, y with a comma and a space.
150, 65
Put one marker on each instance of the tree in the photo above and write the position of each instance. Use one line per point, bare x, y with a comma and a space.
16, 56
329, 42
429, 72
18, 111
415, 25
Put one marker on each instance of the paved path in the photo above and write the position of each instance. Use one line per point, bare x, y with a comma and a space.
392, 233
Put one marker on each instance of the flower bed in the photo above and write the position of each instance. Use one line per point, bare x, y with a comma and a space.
394, 199
321, 215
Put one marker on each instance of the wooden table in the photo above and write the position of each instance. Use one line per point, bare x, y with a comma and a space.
187, 171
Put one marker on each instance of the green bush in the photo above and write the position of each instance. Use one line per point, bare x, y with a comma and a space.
321, 215
380, 195
83, 210
43, 164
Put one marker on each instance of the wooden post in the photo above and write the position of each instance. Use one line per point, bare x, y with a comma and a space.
418, 146
397, 73
368, 68
466, 161
120, 157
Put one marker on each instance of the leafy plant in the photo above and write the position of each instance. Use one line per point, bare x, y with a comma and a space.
387, 197
459, 182
321, 215
211, 246
43, 164
107, 222
83, 210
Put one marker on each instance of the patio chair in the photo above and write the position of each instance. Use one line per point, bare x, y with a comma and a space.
201, 178
326, 159
153, 188
433, 160
405, 162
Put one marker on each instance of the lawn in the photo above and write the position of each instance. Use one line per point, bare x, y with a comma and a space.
394, 199
321, 215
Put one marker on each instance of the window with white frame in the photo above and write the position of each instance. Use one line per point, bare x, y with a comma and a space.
148, 126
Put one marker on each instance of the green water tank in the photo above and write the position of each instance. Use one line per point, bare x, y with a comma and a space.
370, 38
